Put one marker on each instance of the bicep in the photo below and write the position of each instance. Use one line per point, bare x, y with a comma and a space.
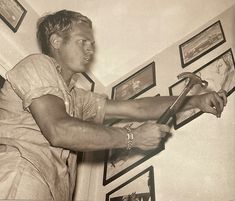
47, 110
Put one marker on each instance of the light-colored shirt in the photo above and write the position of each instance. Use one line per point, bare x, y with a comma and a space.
33, 77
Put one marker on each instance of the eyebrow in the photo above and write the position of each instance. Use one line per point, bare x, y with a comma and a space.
84, 36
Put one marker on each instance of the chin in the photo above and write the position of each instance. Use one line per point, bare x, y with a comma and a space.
83, 69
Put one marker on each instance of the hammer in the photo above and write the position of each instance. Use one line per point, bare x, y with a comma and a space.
192, 80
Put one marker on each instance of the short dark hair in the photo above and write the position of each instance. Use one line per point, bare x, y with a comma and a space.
61, 23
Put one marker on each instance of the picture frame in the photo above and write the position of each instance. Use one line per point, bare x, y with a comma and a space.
139, 187
85, 82
202, 43
136, 84
12, 13
118, 162
220, 74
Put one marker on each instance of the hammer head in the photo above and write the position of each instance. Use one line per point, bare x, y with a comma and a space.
193, 79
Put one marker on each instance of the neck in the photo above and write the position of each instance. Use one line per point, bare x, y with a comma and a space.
65, 72
66, 76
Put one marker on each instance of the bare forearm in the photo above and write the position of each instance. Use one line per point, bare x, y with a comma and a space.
77, 135
149, 108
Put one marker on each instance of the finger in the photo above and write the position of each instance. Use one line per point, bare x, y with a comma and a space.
210, 108
221, 103
223, 94
217, 104
164, 128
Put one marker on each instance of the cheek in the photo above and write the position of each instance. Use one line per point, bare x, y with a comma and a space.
73, 53
77, 52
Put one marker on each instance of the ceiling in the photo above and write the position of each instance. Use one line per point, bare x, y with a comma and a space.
130, 32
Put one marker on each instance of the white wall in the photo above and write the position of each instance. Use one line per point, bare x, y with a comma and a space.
15, 46
198, 163
129, 32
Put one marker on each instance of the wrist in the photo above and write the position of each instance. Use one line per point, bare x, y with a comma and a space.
129, 136
190, 103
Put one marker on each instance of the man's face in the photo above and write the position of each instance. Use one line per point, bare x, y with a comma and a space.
76, 52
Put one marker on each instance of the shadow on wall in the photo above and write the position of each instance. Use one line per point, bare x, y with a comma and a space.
2, 80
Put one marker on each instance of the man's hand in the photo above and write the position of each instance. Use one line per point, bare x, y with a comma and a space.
149, 135
212, 102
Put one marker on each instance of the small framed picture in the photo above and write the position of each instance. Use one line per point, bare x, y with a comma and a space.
219, 73
201, 44
85, 82
138, 188
118, 162
136, 84
12, 13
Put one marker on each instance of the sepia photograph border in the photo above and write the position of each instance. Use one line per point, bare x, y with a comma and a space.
151, 183
17, 5
201, 52
178, 125
137, 75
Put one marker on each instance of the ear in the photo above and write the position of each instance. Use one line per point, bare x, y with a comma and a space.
55, 41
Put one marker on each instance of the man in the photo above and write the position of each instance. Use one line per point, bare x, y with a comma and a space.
45, 119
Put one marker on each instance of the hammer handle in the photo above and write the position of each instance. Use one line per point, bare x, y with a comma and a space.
170, 111
166, 116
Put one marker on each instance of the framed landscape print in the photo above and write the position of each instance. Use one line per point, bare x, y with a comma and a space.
12, 13
219, 73
136, 84
139, 188
118, 162
201, 44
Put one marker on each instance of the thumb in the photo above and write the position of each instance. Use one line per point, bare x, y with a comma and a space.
211, 110
164, 128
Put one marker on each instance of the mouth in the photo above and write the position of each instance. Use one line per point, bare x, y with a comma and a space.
87, 58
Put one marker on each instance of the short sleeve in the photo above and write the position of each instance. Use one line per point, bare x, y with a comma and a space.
33, 77
90, 106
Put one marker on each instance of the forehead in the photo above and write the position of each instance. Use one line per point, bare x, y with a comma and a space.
82, 30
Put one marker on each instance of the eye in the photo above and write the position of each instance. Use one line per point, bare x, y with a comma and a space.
82, 41
86, 42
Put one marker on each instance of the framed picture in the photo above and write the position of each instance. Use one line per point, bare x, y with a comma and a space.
140, 187
119, 161
136, 84
201, 44
85, 82
12, 13
2, 80
220, 74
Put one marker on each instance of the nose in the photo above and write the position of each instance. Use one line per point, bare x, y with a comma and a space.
89, 47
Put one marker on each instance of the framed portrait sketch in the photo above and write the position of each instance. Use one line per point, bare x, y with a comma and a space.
136, 84
119, 161
12, 13
140, 187
85, 82
219, 73
201, 44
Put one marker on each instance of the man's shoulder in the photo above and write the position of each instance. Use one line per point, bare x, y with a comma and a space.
35, 58
35, 61
34, 64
